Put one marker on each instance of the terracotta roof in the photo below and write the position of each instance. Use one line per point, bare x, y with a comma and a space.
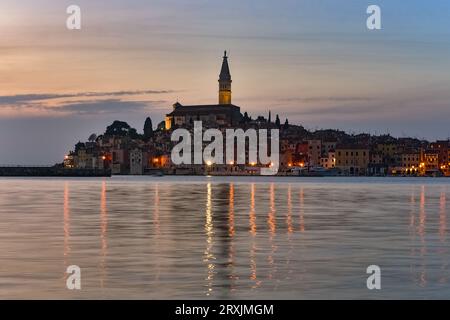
211, 108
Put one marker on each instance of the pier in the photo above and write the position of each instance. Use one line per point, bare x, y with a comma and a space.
51, 171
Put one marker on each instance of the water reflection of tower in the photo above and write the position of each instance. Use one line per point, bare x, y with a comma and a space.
225, 236
231, 232
220, 234
209, 232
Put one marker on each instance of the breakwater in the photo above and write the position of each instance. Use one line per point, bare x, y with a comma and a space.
55, 171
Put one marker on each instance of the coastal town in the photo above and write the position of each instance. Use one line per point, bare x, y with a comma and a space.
123, 150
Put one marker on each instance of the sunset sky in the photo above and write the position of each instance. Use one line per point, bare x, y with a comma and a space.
312, 61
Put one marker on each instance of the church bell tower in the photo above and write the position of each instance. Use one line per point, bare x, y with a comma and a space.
225, 82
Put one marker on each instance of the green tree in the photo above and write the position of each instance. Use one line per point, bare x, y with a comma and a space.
246, 118
122, 129
278, 122
117, 128
148, 128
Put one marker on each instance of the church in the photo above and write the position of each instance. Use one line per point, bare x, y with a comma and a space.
223, 114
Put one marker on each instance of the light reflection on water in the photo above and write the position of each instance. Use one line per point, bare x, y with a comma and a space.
268, 238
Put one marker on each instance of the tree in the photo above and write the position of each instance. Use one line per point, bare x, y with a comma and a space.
132, 133
270, 117
246, 118
117, 128
148, 128
92, 137
286, 124
278, 122
122, 129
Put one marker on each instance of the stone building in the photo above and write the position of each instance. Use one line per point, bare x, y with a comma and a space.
223, 114
352, 159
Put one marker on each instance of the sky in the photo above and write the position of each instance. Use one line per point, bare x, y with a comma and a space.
314, 62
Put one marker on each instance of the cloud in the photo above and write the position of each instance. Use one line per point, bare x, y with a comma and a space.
90, 107
96, 107
328, 99
81, 103
25, 98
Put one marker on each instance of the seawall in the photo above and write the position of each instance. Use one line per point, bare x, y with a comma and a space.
55, 171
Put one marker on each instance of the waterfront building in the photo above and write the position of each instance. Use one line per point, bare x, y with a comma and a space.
86, 156
137, 162
328, 146
329, 161
442, 148
389, 152
352, 159
430, 161
223, 114
447, 166
120, 160
377, 167
314, 152
69, 160
286, 158
300, 157
410, 162
376, 158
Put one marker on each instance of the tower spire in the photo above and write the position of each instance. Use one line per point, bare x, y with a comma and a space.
225, 81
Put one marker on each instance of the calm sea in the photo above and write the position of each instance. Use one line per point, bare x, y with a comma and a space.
204, 237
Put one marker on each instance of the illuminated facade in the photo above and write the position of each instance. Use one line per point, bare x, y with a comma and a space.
410, 162
225, 82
